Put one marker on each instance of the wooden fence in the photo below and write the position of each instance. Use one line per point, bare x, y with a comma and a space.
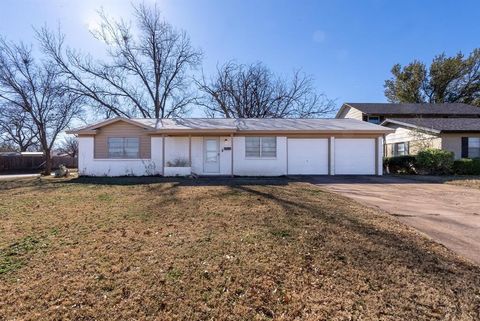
33, 163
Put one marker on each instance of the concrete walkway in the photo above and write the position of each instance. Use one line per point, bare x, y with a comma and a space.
448, 214
15, 176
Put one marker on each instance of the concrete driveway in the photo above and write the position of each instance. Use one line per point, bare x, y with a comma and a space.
448, 214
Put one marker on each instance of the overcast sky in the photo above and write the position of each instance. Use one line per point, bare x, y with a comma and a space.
348, 46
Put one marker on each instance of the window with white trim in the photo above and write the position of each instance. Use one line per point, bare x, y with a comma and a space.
261, 147
400, 149
123, 147
474, 147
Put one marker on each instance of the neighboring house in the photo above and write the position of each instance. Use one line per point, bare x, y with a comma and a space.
452, 126
243, 147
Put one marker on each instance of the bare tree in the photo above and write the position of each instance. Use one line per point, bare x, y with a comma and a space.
253, 91
146, 73
17, 128
69, 146
38, 89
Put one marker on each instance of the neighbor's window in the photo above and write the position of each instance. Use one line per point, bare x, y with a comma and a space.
374, 119
400, 149
474, 147
123, 147
261, 147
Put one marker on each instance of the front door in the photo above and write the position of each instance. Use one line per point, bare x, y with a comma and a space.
211, 155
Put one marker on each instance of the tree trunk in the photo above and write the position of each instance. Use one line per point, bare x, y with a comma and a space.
48, 163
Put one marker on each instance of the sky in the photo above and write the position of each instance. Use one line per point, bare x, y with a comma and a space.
348, 47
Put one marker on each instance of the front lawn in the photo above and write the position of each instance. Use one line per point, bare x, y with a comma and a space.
153, 249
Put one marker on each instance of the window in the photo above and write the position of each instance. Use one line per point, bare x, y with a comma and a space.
123, 147
261, 147
474, 147
400, 149
374, 119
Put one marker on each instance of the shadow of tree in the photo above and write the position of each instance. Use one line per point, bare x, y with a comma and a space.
399, 248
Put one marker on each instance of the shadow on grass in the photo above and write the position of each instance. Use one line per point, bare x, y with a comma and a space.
178, 181
401, 250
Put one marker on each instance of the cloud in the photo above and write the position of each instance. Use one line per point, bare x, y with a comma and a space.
319, 36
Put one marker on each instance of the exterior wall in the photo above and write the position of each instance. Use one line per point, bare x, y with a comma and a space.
417, 140
350, 112
90, 166
245, 166
178, 147
121, 129
453, 142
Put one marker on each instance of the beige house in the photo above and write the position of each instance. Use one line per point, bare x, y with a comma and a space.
454, 127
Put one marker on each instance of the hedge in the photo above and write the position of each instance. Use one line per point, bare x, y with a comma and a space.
400, 164
435, 161
466, 166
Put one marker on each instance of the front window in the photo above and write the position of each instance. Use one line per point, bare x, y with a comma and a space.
261, 147
123, 147
374, 119
400, 149
474, 147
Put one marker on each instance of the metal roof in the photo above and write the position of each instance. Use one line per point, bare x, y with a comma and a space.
244, 124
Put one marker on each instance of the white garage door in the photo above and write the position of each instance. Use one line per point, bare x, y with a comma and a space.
354, 156
307, 156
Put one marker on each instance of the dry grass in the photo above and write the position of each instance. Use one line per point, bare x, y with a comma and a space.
472, 182
133, 249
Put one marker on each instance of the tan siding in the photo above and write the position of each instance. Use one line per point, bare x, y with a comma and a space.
417, 140
402, 134
353, 113
453, 142
121, 129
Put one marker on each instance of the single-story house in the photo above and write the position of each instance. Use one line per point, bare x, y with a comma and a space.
450, 126
458, 135
242, 147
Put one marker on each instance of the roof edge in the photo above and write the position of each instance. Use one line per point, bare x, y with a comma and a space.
92, 128
393, 121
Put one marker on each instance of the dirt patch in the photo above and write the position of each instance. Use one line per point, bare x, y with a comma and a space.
202, 250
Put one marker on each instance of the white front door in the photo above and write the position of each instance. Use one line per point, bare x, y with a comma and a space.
211, 155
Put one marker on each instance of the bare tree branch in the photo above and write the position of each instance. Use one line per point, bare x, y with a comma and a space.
37, 90
146, 72
253, 91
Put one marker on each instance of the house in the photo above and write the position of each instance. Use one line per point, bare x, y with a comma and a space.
243, 147
451, 126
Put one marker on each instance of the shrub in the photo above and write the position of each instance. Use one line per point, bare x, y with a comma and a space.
435, 161
400, 164
466, 166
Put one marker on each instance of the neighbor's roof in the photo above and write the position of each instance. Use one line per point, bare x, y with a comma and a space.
241, 125
414, 109
438, 125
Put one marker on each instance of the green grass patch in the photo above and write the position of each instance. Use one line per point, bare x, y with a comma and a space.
14, 256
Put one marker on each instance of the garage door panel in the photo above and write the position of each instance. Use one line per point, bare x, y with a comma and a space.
355, 156
307, 156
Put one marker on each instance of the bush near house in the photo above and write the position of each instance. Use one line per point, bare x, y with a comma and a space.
435, 161
400, 164
466, 166
432, 161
